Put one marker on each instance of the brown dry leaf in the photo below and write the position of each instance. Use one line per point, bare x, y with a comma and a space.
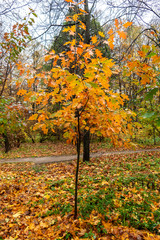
82, 232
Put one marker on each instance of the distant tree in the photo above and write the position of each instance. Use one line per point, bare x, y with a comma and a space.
11, 45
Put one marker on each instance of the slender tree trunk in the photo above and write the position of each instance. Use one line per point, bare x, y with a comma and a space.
77, 168
86, 146
87, 23
154, 135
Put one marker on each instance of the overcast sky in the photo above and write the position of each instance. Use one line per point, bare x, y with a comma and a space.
21, 8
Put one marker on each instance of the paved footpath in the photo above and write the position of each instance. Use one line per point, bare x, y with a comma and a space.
62, 158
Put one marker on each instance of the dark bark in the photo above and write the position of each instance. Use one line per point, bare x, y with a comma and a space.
87, 23
6, 142
77, 167
154, 135
86, 146
8, 70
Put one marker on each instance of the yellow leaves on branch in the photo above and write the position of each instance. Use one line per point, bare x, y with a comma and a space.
42, 126
80, 81
72, 29
75, 17
82, 25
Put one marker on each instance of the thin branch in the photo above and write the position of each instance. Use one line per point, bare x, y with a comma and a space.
130, 46
52, 25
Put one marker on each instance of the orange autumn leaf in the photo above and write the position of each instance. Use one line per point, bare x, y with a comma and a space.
21, 92
98, 53
116, 23
81, 2
42, 117
47, 57
127, 24
69, 1
122, 34
110, 32
83, 11
141, 54
68, 19
94, 39
33, 117
110, 41
44, 129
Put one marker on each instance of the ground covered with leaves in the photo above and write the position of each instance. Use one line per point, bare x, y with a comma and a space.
49, 148
119, 198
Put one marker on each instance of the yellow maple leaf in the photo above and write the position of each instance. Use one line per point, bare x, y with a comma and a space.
66, 29
101, 34
75, 17
72, 30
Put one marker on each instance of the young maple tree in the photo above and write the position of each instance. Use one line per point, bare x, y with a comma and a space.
79, 80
